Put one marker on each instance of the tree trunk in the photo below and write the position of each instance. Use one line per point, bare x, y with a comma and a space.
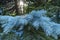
16, 7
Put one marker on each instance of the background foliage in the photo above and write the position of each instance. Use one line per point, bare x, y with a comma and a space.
52, 6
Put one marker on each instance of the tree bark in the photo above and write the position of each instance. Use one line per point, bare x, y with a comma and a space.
16, 7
